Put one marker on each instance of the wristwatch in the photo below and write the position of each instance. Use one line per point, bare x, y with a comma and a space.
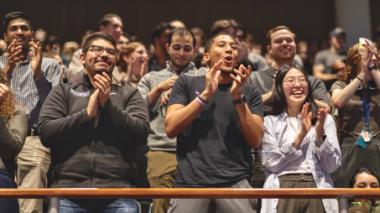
239, 100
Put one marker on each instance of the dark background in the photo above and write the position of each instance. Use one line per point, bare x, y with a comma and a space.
311, 20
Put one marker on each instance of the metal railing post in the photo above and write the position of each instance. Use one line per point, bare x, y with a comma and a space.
54, 205
343, 204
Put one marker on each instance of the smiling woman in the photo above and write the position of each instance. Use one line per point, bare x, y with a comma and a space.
132, 64
299, 151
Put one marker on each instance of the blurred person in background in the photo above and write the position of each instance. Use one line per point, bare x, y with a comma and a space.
132, 65
329, 62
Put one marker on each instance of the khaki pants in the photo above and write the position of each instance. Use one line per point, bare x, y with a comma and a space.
33, 163
161, 171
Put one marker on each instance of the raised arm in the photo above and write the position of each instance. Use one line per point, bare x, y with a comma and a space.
180, 116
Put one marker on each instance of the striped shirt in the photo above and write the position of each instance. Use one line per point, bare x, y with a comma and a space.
28, 92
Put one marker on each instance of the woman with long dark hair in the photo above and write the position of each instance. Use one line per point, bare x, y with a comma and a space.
300, 147
12, 136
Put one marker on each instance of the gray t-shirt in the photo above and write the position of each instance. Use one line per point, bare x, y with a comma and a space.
212, 151
157, 139
327, 58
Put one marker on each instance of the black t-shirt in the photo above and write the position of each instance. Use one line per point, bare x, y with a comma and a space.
212, 151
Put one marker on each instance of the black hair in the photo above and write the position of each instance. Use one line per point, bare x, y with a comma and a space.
359, 171
279, 104
211, 41
159, 29
181, 33
95, 36
221, 25
12, 16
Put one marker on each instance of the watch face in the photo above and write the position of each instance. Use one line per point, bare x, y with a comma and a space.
239, 101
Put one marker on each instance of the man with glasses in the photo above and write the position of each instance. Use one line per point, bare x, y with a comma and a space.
93, 128
31, 78
156, 88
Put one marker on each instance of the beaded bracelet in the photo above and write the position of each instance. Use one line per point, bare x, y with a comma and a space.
201, 101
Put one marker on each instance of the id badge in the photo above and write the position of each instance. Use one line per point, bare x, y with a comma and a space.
367, 135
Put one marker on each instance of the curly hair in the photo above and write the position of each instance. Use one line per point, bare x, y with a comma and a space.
353, 61
7, 107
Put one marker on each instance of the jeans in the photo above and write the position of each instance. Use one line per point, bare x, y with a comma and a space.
120, 205
7, 205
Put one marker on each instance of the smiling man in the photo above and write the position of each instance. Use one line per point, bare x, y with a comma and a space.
282, 49
93, 128
156, 88
31, 78
216, 118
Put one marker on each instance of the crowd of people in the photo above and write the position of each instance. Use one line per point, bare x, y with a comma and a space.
201, 114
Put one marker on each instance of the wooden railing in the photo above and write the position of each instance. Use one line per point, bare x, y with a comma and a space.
191, 193
55, 193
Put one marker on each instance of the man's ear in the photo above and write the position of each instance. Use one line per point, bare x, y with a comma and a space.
268, 49
206, 57
82, 58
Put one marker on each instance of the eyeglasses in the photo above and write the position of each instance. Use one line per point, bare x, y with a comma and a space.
292, 81
99, 50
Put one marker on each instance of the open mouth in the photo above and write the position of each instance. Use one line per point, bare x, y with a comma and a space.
228, 59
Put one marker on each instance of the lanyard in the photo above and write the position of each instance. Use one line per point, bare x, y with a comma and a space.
366, 100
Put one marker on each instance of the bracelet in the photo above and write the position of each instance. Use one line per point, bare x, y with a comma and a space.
201, 101
361, 80
240, 100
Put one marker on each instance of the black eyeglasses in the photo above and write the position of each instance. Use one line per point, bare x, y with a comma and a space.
99, 50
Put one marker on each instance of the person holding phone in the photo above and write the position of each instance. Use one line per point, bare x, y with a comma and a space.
357, 97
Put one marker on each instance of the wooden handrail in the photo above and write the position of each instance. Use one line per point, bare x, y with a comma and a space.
190, 193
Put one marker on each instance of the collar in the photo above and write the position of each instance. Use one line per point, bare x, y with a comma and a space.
284, 116
170, 68
83, 80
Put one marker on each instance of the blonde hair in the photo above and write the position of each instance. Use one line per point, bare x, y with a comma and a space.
7, 107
